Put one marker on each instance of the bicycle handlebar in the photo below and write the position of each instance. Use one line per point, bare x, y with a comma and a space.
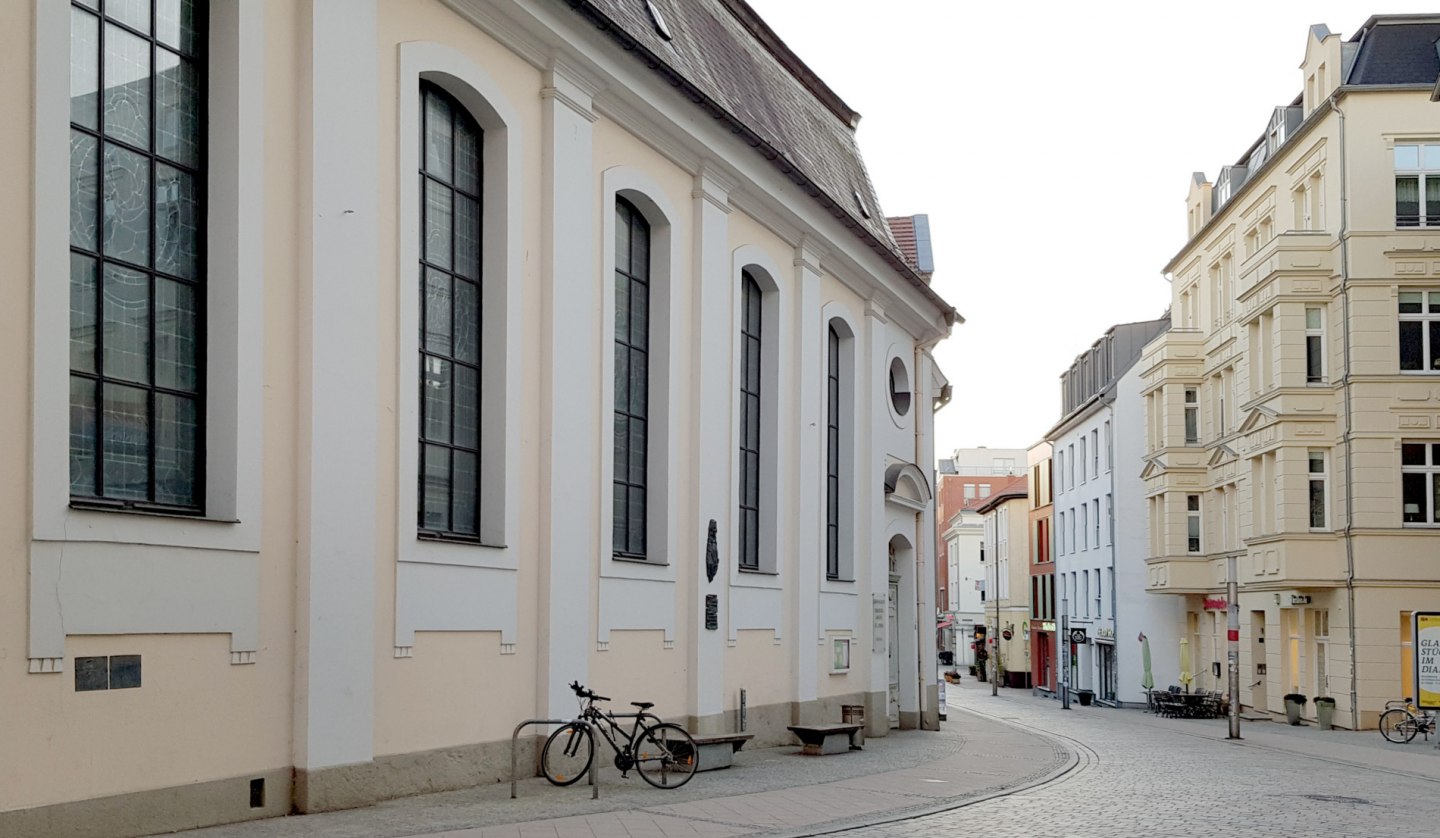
584, 693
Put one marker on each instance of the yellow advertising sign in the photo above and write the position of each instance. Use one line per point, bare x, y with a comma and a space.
1427, 660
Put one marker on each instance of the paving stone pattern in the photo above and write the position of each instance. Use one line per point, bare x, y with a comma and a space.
1141, 776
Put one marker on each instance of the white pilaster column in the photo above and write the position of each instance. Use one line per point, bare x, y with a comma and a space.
571, 414
335, 594
925, 549
808, 565
872, 551
710, 321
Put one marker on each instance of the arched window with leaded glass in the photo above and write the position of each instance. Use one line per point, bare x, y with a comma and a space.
137, 270
450, 318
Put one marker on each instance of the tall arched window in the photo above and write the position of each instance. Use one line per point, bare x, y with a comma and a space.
632, 378
449, 276
832, 457
137, 291
750, 406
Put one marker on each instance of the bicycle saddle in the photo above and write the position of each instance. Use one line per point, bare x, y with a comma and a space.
643, 705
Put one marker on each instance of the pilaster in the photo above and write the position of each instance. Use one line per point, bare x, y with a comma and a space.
571, 409
714, 294
809, 561
335, 656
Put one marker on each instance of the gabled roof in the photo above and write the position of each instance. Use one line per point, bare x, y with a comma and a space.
730, 63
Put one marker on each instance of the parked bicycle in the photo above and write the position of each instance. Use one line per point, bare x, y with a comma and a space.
1402, 720
662, 752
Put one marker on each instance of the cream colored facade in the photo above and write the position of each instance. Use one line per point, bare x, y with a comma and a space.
1006, 546
297, 636
1279, 419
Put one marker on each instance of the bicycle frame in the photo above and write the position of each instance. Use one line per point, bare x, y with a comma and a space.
607, 724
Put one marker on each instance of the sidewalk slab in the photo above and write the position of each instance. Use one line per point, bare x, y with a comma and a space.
770, 792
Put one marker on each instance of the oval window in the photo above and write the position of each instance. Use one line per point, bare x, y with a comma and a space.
899, 387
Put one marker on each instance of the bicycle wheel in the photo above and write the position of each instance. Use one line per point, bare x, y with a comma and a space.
1397, 725
567, 754
665, 756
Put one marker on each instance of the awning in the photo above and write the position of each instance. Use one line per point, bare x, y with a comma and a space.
945, 623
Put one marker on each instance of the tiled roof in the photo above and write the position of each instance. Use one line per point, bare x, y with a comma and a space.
903, 229
742, 71
1399, 52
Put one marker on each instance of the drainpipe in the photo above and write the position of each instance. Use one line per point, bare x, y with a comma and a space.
922, 621
1347, 435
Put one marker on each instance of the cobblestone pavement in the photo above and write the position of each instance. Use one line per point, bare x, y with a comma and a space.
1141, 776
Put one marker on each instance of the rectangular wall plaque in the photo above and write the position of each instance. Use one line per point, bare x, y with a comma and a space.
712, 612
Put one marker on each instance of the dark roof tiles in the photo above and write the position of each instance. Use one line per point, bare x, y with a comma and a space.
1398, 53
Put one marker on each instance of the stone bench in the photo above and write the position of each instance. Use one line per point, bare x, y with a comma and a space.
826, 739
718, 750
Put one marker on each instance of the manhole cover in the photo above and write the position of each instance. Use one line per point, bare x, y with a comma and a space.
1335, 798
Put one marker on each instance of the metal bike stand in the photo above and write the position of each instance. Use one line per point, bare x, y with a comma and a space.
515, 738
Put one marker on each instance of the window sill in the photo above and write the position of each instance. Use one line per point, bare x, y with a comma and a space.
451, 538
147, 510
756, 571
620, 557
838, 579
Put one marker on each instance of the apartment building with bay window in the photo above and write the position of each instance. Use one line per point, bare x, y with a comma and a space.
1292, 419
380, 367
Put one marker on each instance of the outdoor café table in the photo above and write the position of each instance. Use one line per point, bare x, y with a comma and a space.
1194, 705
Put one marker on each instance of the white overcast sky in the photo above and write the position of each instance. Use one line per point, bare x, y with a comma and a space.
1051, 144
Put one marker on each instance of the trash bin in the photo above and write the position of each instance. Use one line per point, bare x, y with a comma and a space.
1324, 711
854, 714
1085, 696
1294, 707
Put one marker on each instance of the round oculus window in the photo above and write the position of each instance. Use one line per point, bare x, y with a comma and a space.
899, 387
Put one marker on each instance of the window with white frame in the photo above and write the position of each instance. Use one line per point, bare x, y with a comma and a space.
1095, 453
1084, 526
969, 491
1073, 540
1419, 469
1109, 516
1109, 448
832, 459
1192, 416
1084, 463
1095, 519
984, 490
1318, 479
1314, 345
137, 272
1192, 523
1070, 465
1419, 331
1417, 184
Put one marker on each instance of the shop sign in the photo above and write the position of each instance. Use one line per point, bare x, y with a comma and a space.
1217, 603
1047, 626
1078, 636
1105, 633
1427, 659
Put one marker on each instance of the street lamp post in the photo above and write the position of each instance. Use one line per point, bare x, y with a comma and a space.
1064, 652
1232, 625
995, 636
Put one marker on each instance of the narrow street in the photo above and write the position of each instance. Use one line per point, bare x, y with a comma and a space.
1142, 776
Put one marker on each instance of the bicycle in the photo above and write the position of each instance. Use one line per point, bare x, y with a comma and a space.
662, 752
1400, 723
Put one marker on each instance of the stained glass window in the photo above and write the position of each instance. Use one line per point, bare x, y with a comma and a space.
137, 291
449, 288
632, 379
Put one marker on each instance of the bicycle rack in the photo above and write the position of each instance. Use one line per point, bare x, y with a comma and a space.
515, 738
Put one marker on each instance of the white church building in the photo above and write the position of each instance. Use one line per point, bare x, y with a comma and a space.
380, 367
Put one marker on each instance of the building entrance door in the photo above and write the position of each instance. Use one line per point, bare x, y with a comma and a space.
1107, 671
1042, 660
1258, 698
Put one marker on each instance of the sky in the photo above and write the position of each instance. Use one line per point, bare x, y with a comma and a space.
1051, 144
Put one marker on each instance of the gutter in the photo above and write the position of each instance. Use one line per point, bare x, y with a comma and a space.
771, 153
1347, 436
